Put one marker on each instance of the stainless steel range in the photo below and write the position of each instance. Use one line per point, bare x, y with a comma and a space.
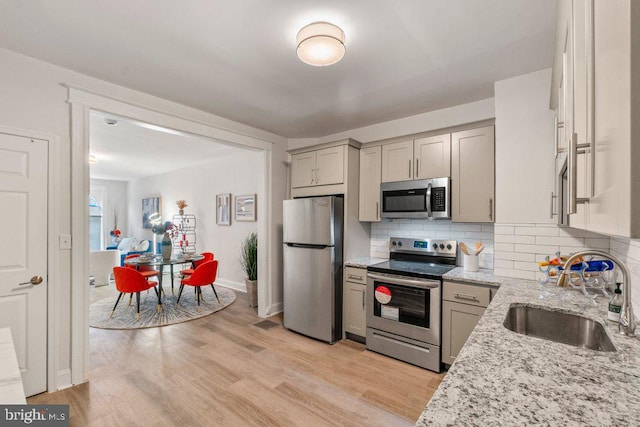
403, 300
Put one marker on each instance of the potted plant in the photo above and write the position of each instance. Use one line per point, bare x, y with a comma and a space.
249, 262
181, 205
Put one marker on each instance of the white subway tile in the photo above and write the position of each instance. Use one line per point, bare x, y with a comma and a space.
489, 228
525, 231
537, 249
547, 231
503, 229
466, 227
506, 247
590, 242
506, 238
477, 235
560, 241
502, 263
450, 235
514, 256
520, 274
576, 232
401, 221
527, 266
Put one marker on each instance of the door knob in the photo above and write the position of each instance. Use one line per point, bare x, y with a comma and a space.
35, 280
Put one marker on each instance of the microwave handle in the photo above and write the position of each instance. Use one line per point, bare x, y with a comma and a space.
429, 200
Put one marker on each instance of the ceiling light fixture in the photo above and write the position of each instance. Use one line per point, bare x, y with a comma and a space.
320, 44
111, 122
92, 159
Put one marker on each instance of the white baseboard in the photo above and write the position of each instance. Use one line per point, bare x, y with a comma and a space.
236, 286
275, 308
63, 379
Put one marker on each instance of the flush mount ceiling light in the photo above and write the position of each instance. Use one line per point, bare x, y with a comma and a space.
92, 159
320, 44
111, 122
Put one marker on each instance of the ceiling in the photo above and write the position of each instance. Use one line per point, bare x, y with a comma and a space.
237, 58
131, 150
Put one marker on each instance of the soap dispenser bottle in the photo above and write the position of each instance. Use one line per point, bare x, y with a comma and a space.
615, 305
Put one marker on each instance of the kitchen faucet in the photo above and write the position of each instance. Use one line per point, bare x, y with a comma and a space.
627, 324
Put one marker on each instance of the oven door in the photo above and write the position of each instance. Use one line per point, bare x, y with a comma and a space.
405, 306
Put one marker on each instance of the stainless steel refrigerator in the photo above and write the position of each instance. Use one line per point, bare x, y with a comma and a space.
312, 229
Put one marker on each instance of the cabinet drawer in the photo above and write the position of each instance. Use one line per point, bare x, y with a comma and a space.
356, 275
466, 294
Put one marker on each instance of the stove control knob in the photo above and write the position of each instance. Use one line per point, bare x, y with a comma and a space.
441, 246
449, 247
435, 246
399, 244
393, 243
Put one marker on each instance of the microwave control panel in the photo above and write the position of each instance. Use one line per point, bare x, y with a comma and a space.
438, 199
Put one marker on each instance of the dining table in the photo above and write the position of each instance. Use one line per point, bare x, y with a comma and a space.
158, 261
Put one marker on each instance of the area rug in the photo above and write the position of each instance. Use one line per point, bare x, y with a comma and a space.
125, 314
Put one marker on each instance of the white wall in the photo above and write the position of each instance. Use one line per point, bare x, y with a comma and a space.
114, 202
433, 120
238, 172
525, 162
33, 98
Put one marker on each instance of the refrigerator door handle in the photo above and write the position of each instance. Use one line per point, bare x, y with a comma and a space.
305, 245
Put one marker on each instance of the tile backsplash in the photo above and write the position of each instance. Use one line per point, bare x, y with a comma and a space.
519, 247
469, 233
628, 251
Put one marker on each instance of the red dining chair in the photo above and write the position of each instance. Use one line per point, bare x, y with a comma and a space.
203, 275
146, 270
131, 281
208, 256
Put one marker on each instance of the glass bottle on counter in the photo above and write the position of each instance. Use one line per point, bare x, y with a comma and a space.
615, 305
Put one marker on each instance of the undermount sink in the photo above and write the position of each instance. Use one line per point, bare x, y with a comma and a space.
558, 326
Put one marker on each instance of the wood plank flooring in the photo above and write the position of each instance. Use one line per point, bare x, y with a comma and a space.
223, 370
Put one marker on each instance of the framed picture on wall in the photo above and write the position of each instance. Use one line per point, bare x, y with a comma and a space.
246, 207
223, 209
151, 209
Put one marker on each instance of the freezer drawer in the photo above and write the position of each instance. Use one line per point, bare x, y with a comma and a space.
313, 292
415, 352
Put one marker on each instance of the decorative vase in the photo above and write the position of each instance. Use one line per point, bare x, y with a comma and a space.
181, 212
252, 292
166, 247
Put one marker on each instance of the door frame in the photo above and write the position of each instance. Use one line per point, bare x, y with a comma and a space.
162, 113
53, 314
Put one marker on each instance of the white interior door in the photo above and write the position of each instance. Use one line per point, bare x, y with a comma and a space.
23, 254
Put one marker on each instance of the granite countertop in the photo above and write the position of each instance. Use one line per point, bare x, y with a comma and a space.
364, 262
11, 391
481, 277
504, 378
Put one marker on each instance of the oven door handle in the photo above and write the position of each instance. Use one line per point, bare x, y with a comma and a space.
422, 284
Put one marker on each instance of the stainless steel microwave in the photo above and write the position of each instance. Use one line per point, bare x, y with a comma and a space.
424, 198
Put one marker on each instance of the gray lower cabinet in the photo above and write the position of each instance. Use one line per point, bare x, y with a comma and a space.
462, 307
355, 288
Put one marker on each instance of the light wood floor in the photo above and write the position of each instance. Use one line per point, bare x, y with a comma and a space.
223, 370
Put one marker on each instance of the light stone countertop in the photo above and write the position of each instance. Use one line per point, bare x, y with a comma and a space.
364, 262
504, 378
481, 277
11, 391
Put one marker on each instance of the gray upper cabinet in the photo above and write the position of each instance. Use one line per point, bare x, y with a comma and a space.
370, 179
397, 161
473, 175
417, 159
432, 156
319, 167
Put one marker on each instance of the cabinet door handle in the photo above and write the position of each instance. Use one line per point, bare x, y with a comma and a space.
353, 276
410, 169
417, 169
377, 210
490, 209
466, 297
573, 173
312, 176
363, 300
551, 214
